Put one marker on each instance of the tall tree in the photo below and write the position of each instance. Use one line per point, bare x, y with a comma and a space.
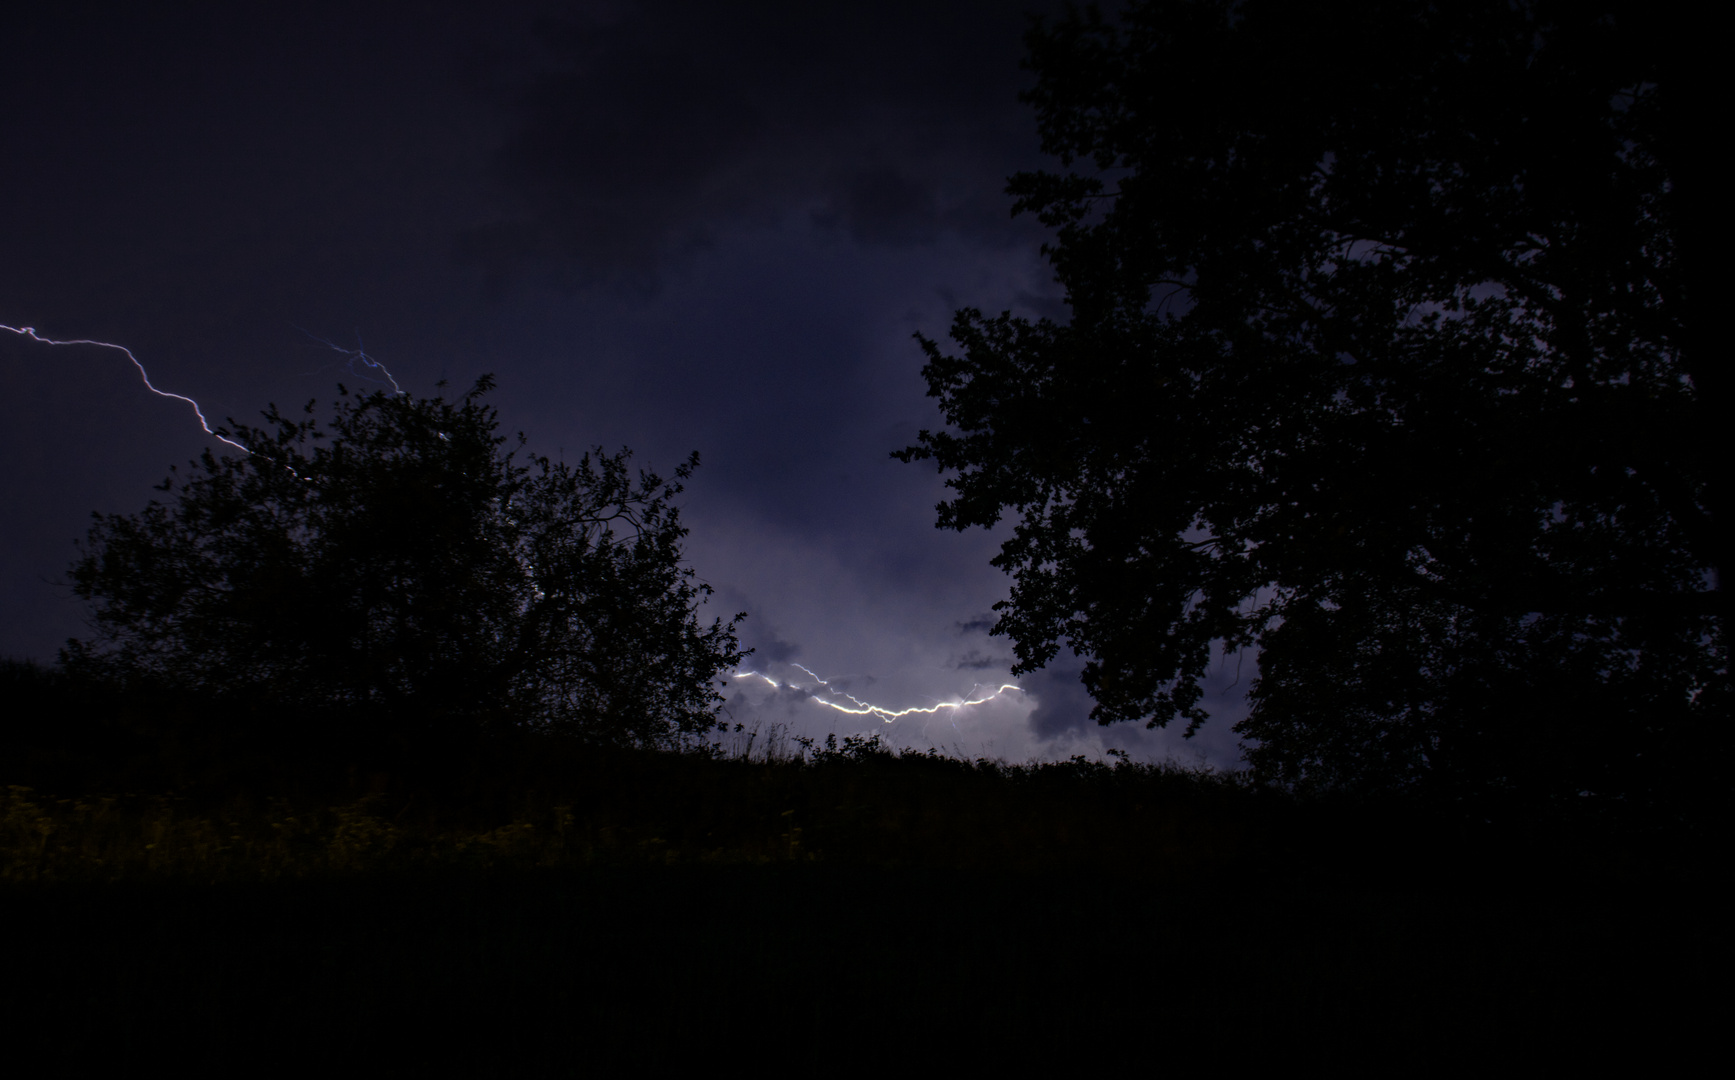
397, 563
1382, 363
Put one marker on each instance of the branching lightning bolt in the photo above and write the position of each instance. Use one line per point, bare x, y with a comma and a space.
358, 354
858, 707
30, 332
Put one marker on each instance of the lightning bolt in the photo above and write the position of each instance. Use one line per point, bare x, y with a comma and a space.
30, 332
858, 707
358, 355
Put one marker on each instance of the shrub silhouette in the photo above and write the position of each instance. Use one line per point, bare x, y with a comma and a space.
399, 564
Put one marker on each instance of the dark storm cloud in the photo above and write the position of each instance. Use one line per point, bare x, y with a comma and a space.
769, 643
768, 646
980, 661
1063, 709
979, 658
1062, 705
644, 130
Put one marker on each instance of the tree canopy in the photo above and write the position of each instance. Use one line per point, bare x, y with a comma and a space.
399, 563
1382, 362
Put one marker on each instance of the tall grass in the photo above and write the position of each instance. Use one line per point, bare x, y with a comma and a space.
539, 803
107, 787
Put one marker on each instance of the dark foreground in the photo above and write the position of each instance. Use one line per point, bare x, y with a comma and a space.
806, 966
175, 896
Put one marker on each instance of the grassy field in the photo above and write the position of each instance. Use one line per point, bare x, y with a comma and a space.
524, 907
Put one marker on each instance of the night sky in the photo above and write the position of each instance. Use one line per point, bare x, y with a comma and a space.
668, 226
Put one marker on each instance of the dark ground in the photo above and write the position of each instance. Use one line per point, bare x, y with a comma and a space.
814, 968
1067, 917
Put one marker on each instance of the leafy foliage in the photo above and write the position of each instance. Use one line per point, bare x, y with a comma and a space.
400, 564
1382, 362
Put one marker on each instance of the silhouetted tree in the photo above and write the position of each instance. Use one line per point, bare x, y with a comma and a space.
401, 565
1383, 361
